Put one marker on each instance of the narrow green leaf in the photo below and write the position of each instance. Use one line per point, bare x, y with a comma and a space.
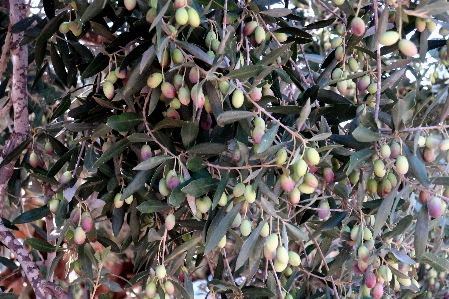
357, 158
222, 228
246, 72
94, 9
438, 263
189, 133
152, 162
200, 187
32, 215
401, 256
417, 167
267, 191
421, 232
169, 123
305, 112
116, 149
63, 106
15, 153
124, 122
319, 137
276, 12
268, 207
41, 245
295, 233
208, 149
137, 183
400, 227
220, 189
181, 289
249, 244
152, 206
160, 15
363, 134
182, 248
273, 55
268, 138
51, 28
99, 63
229, 117
384, 210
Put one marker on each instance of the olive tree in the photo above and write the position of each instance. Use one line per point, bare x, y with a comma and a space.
269, 149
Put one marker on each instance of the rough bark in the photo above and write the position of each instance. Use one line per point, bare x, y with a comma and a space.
19, 98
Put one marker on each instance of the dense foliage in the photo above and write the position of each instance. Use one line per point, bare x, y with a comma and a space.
275, 150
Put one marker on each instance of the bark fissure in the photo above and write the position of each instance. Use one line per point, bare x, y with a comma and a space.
19, 99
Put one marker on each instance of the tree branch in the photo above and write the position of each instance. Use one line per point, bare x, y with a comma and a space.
19, 99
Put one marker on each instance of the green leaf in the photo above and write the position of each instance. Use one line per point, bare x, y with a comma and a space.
417, 167
320, 24
221, 229
182, 248
438, 263
44, 178
23, 24
197, 52
246, 72
220, 189
294, 31
256, 292
267, 191
152, 162
139, 137
137, 183
403, 257
421, 232
41, 245
268, 207
249, 244
200, 187
63, 106
229, 117
208, 149
99, 63
177, 197
189, 133
152, 206
116, 149
277, 12
124, 122
169, 123
442, 180
295, 233
384, 210
214, 100
195, 164
363, 134
357, 158
319, 137
400, 227
274, 55
9, 295
32, 215
268, 138
219, 4
330, 97
15, 153
305, 112
160, 15
101, 131
185, 294
51, 28
94, 9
